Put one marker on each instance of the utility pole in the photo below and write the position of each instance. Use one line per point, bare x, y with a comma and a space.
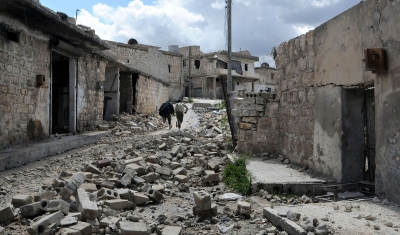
229, 12
190, 70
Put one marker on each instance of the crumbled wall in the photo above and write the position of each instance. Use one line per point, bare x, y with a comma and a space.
24, 112
91, 70
150, 94
256, 115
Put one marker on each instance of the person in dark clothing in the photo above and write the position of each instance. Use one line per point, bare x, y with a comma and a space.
165, 111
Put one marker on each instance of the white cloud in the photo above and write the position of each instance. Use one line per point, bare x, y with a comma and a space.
323, 3
218, 5
302, 30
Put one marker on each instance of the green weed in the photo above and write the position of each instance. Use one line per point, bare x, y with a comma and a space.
237, 177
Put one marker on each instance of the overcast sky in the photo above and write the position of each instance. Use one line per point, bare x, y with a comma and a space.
257, 25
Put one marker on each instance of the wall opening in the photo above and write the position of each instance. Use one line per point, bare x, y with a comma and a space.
245, 67
169, 68
369, 133
13, 36
197, 64
135, 78
60, 90
111, 92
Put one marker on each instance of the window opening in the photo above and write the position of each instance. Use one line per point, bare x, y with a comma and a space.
197, 64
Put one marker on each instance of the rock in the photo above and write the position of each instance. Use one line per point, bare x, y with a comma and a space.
140, 199
376, 200
287, 161
377, 227
210, 176
385, 202
171, 230
181, 178
293, 215
7, 213
71, 187
244, 208
202, 200
321, 230
133, 228
389, 224
67, 221
370, 217
117, 204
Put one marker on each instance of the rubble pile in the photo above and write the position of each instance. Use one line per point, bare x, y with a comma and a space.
146, 184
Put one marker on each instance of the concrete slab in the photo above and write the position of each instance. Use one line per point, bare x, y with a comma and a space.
17, 156
273, 175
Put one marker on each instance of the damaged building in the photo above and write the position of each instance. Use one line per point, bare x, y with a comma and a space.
336, 106
203, 71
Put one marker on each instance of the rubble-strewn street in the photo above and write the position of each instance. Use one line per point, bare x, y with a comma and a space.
165, 182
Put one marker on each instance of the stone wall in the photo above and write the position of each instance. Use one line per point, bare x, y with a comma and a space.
150, 94
175, 75
296, 96
24, 112
256, 115
91, 70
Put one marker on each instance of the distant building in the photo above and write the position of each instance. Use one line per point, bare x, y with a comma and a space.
267, 79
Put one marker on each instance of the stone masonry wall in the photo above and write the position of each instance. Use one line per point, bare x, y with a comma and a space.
150, 94
126, 91
91, 70
24, 113
256, 115
175, 76
295, 94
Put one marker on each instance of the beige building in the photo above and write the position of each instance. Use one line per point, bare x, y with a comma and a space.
203, 72
267, 81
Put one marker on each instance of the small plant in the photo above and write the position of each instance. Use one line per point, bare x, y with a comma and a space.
236, 175
190, 100
224, 120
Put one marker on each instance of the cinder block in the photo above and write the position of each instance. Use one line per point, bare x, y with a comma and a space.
206, 213
137, 168
81, 228
164, 171
105, 222
31, 210
126, 180
40, 226
92, 169
140, 199
244, 208
210, 176
67, 221
117, 204
181, 178
150, 177
202, 200
260, 108
126, 194
105, 193
133, 160
89, 187
154, 195
48, 195
172, 230
175, 150
21, 200
86, 207
108, 184
7, 213
72, 185
133, 228
55, 205
261, 101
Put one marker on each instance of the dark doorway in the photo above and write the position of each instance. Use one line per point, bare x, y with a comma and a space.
60, 105
369, 115
135, 77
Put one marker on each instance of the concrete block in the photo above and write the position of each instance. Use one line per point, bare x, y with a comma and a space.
154, 195
171, 230
137, 168
165, 161
67, 221
55, 205
254, 113
108, 184
140, 199
252, 120
206, 213
138, 180
260, 108
21, 200
262, 101
105, 193
81, 228
210, 176
126, 180
164, 171
7, 213
150, 177
48, 195
271, 109
126, 194
202, 200
89, 187
40, 226
31, 210
93, 169
245, 126
158, 187
245, 113
86, 207
109, 220
133, 160
175, 150
117, 204
244, 208
72, 185
251, 100
179, 171
286, 224
181, 178
133, 228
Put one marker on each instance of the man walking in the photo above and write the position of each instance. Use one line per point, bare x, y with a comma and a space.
165, 111
180, 109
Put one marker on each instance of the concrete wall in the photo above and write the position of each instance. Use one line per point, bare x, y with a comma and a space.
91, 70
24, 107
150, 95
175, 75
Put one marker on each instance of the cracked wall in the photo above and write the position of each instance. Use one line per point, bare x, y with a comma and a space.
321, 80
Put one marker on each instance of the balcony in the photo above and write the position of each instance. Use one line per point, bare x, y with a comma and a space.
246, 77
